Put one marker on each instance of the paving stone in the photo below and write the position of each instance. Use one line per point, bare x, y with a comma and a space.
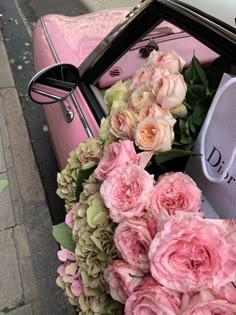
7, 219
10, 281
44, 256
5, 71
24, 310
15, 196
26, 170
30, 290
21, 241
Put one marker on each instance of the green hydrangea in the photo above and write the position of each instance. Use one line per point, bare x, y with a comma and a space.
87, 155
93, 234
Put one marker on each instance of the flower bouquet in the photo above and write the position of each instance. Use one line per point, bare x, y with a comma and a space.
135, 240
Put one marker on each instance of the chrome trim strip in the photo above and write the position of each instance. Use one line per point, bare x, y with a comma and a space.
66, 108
53, 51
54, 97
81, 116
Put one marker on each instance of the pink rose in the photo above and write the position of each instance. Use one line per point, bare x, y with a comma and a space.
151, 298
175, 192
170, 91
142, 75
126, 192
205, 302
122, 123
168, 60
140, 97
122, 279
226, 292
191, 253
132, 238
117, 154
155, 133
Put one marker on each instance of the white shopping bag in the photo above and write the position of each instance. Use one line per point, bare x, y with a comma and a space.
215, 170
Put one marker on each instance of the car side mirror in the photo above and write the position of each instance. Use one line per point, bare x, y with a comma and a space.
53, 84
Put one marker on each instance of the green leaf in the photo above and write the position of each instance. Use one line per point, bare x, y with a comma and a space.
3, 184
112, 307
201, 73
164, 157
215, 71
194, 74
83, 176
194, 92
63, 235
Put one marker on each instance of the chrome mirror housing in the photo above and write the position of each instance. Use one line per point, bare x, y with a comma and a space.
53, 84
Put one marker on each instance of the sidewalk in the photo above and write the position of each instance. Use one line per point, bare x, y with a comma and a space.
27, 249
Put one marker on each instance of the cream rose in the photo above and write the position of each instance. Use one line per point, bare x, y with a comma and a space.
122, 123
142, 75
140, 97
155, 133
151, 110
170, 91
168, 60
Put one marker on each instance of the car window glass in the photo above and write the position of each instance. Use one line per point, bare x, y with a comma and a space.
164, 37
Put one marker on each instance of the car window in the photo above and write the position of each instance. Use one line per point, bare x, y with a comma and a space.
164, 37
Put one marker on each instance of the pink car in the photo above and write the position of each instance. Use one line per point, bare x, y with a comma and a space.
78, 57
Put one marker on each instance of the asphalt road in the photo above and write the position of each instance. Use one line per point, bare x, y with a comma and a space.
17, 18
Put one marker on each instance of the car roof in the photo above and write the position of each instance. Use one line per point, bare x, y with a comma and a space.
223, 10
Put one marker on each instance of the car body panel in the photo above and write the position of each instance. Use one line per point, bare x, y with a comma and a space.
89, 30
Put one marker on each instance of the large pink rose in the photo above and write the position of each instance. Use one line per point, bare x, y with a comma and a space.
126, 192
132, 238
170, 91
122, 279
207, 302
168, 60
175, 192
155, 133
117, 154
226, 292
190, 253
151, 298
